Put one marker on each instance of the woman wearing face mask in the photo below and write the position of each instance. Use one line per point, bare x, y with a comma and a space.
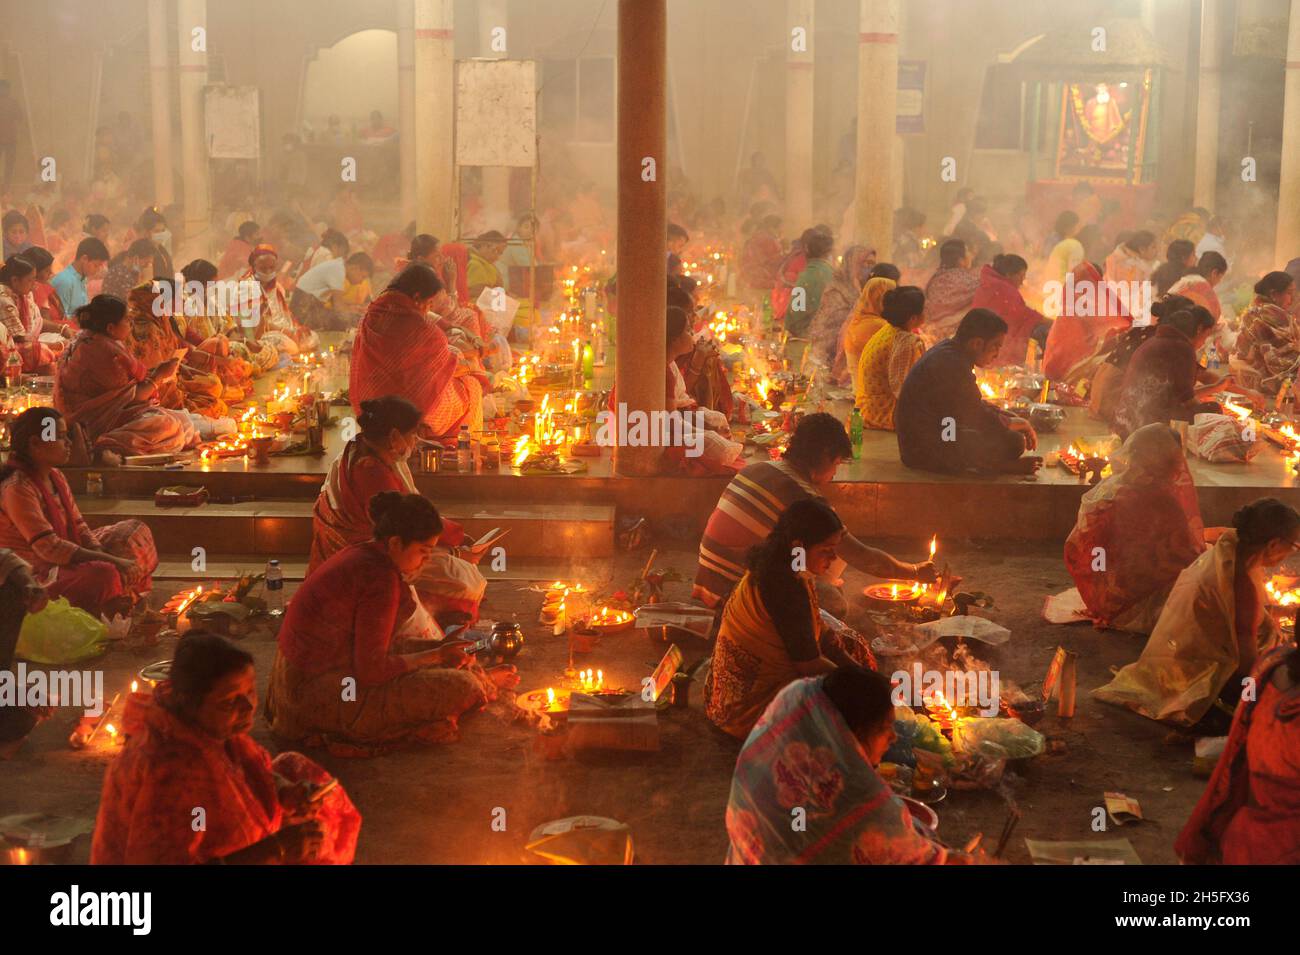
341, 675
374, 461
817, 747
771, 631
152, 225
188, 744
400, 350
276, 323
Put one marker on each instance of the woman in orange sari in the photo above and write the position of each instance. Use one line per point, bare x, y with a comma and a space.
1249, 813
1136, 532
375, 461
400, 351
865, 320
109, 395
188, 746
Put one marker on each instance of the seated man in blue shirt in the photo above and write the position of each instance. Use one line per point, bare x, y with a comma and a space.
943, 422
70, 284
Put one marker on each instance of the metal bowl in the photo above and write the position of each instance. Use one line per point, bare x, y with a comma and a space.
1046, 418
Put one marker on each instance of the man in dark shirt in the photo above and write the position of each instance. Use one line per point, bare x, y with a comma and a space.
943, 422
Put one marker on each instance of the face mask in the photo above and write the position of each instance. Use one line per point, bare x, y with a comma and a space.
266, 278
164, 239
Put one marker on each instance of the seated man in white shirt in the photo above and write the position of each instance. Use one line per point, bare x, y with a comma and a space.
318, 297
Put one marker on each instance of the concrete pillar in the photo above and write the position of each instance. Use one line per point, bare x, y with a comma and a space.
193, 65
435, 76
1207, 106
1288, 199
877, 109
406, 106
641, 360
799, 113
496, 179
160, 101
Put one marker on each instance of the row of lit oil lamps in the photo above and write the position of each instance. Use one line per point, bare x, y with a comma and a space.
555, 614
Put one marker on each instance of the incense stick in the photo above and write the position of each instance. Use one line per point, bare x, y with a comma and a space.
1008, 827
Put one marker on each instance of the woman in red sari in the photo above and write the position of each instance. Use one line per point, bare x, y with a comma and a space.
399, 350
1249, 813
375, 461
188, 746
101, 571
354, 625
1093, 314
109, 394
455, 255
1136, 532
47, 300
999, 292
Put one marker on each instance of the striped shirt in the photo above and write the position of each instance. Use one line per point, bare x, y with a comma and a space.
745, 515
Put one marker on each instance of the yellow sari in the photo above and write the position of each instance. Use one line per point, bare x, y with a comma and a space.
865, 320
1192, 652
750, 661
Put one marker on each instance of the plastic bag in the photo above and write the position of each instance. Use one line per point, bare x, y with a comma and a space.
1019, 741
61, 633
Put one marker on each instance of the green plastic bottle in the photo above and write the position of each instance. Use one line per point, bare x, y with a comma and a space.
855, 432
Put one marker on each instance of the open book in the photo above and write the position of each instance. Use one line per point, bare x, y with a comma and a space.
481, 545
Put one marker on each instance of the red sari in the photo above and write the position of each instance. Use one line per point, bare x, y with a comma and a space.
168, 767
1249, 813
458, 254
1083, 325
46, 529
341, 517
399, 351
95, 388
999, 295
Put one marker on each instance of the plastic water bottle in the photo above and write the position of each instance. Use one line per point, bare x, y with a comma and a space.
1212, 356
464, 456
13, 370
274, 589
855, 433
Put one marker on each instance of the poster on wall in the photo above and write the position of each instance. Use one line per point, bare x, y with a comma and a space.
1103, 129
911, 97
232, 120
496, 113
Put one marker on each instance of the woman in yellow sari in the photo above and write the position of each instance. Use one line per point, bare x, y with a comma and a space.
771, 631
865, 321
889, 356
1213, 628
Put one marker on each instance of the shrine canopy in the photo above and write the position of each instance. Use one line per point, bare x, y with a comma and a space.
1093, 91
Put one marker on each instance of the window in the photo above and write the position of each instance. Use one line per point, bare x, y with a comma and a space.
999, 125
578, 98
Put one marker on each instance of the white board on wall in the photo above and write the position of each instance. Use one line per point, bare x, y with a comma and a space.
496, 113
232, 121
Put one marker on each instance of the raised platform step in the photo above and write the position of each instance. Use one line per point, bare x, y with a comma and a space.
522, 570
283, 528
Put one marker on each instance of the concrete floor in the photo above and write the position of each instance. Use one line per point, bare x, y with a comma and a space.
435, 805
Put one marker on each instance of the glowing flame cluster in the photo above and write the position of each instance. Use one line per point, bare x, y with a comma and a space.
609, 617
1279, 595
